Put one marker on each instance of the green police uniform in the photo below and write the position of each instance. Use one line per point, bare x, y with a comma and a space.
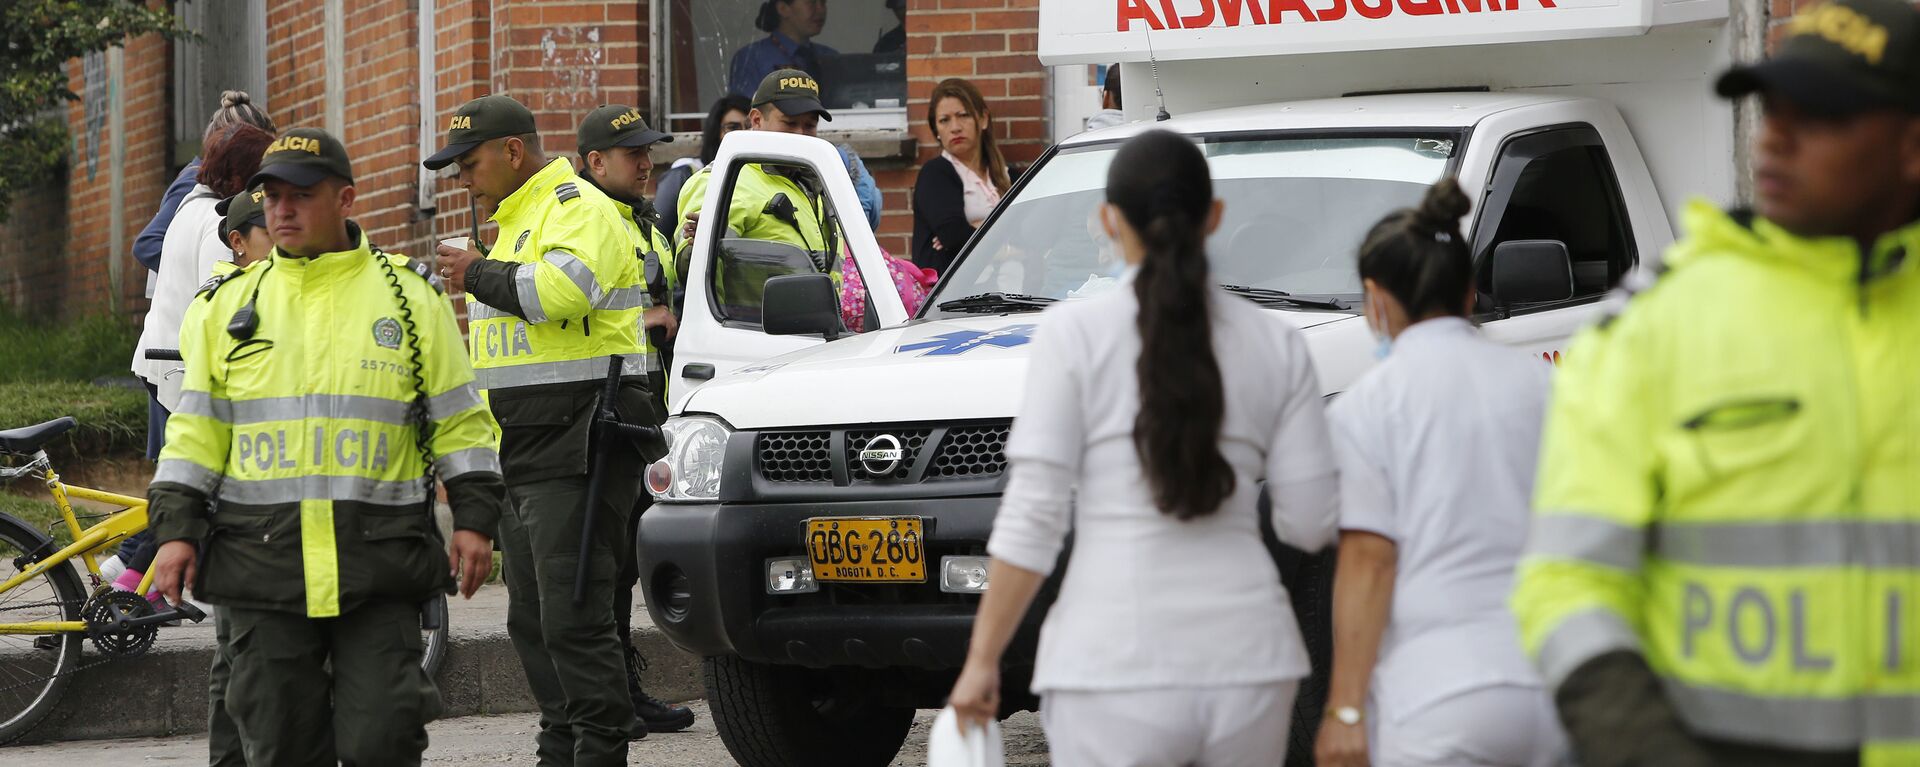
1725, 557
306, 383
558, 294
603, 129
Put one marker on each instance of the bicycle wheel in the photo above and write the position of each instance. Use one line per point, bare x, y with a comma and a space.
34, 670
433, 642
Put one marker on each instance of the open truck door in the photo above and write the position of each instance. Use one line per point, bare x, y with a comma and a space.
745, 238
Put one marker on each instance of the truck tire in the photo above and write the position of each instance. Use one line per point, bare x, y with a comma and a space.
786, 716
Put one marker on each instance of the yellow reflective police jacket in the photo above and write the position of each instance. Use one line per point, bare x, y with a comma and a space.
1730, 486
747, 210
560, 292
305, 432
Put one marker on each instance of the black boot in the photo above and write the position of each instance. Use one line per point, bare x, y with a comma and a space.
658, 715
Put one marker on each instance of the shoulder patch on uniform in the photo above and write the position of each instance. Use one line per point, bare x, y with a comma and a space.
425, 272
213, 283
566, 191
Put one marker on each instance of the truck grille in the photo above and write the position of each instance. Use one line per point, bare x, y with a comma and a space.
796, 456
927, 454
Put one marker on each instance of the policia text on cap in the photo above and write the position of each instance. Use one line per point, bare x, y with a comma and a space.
558, 294
323, 460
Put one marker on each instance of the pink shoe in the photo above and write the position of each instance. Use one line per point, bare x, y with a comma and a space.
128, 580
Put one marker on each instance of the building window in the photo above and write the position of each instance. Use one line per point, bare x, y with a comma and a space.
856, 49
229, 55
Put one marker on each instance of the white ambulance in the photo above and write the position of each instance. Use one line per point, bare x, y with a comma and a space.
823, 512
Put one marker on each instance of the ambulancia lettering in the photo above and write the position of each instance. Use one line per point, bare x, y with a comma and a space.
1244, 13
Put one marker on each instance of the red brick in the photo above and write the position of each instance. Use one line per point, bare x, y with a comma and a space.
1008, 20
1015, 64
973, 43
936, 23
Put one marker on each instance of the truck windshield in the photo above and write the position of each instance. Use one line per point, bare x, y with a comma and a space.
1296, 211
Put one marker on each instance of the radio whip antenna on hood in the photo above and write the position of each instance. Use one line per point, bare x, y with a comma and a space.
1153, 63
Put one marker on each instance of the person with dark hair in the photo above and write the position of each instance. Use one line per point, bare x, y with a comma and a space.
791, 26
1427, 666
894, 40
728, 114
1109, 114
956, 191
1724, 562
235, 107
327, 397
1152, 416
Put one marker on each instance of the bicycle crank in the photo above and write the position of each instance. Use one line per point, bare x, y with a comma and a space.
111, 616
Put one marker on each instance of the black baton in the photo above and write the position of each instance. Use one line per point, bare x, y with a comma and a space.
598, 440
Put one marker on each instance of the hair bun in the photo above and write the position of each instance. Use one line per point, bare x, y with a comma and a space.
231, 99
1440, 210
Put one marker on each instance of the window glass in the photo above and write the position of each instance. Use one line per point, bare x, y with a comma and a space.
1569, 195
777, 223
855, 49
1296, 212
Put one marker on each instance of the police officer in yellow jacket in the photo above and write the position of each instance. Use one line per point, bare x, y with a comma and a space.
774, 203
558, 294
325, 388
614, 144
1724, 568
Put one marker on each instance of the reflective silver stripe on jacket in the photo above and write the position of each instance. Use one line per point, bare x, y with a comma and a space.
251, 411
477, 311
1809, 723
1799, 543
297, 489
528, 290
621, 299
453, 401
576, 271
1587, 538
185, 472
199, 403
1580, 637
471, 459
566, 371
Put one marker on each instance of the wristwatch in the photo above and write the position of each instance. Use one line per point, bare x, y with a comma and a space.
1346, 715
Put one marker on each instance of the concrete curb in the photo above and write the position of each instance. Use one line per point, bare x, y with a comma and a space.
164, 693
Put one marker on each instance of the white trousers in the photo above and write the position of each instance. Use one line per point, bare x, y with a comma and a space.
1489, 727
1241, 726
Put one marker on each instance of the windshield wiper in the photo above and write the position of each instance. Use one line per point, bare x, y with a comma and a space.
1270, 296
994, 302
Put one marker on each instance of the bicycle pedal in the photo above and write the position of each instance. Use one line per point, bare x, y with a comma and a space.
188, 611
48, 642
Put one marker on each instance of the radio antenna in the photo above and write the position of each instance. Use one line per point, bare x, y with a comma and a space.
1153, 64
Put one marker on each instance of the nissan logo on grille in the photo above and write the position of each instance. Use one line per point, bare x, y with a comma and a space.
882, 455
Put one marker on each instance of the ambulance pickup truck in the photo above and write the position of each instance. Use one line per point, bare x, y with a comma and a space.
820, 536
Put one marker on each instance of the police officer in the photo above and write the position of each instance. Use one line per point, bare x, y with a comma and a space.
325, 388
614, 144
776, 203
1721, 568
557, 295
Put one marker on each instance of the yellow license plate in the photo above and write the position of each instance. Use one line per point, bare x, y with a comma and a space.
867, 549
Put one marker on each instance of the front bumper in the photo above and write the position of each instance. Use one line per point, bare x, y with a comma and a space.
703, 567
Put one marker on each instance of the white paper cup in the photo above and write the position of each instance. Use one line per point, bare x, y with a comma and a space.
462, 242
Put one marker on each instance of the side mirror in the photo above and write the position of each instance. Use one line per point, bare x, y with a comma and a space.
1531, 272
802, 305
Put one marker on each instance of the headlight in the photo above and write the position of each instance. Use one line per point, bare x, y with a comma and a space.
696, 448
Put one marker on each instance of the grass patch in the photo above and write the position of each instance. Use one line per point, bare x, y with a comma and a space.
113, 419
39, 513
81, 350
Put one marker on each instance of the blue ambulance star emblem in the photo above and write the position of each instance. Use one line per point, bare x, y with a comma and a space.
963, 341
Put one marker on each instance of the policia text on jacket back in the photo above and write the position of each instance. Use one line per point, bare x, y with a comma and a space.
325, 387
1724, 567
557, 295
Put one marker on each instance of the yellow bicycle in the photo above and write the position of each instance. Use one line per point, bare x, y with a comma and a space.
46, 610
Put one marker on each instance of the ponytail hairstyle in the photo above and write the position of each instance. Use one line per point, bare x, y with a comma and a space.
1418, 256
236, 107
1160, 183
233, 157
976, 104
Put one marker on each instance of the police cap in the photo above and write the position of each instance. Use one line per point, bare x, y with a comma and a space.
1841, 58
479, 121
304, 157
792, 91
248, 207
617, 125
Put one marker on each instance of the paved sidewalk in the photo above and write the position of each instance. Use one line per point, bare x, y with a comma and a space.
165, 692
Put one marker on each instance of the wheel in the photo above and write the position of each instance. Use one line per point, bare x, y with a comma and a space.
433, 642
34, 670
786, 716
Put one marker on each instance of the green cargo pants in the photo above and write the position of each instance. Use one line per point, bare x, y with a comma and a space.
573, 659
223, 738
372, 709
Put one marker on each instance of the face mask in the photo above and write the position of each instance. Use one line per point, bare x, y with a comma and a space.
1383, 343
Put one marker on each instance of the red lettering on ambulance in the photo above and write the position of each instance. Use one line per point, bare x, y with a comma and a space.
1168, 14
1277, 7
1200, 20
1132, 10
1373, 9
1230, 11
1336, 13
1420, 7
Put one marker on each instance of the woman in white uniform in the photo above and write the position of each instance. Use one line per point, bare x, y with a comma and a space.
1162, 403
1436, 447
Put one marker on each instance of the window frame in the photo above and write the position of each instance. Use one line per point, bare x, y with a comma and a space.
831, 218
1516, 155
